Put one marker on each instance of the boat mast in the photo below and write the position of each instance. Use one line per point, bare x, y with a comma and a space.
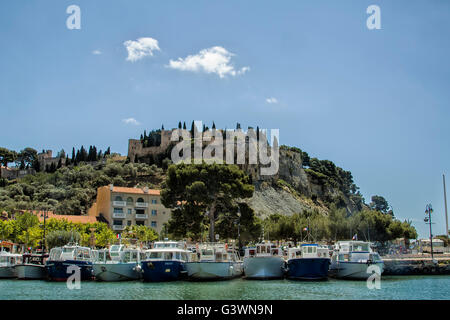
445, 202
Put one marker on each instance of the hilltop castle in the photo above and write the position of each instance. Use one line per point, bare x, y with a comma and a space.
139, 152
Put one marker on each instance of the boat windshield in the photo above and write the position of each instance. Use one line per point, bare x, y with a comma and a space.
360, 247
207, 252
130, 256
166, 255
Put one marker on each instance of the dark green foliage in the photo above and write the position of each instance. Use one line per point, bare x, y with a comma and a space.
153, 139
199, 189
380, 204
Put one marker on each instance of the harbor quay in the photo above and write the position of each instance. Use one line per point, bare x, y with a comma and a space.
416, 264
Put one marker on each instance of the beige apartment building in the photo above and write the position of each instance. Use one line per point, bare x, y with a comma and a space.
121, 207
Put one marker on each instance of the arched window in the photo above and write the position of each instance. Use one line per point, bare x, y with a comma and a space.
118, 198
129, 200
140, 200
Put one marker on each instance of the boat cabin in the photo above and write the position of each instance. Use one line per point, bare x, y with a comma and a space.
9, 259
70, 252
116, 254
38, 259
354, 251
169, 244
309, 251
263, 250
215, 252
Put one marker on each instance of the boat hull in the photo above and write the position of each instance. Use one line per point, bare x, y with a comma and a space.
353, 270
31, 272
7, 272
115, 271
58, 270
163, 270
213, 270
308, 268
264, 268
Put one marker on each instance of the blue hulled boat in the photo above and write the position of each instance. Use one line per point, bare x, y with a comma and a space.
61, 258
309, 262
165, 262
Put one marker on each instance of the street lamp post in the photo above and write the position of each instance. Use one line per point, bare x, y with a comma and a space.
239, 227
429, 210
45, 216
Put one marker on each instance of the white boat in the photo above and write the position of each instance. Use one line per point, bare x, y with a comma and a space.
8, 262
264, 262
118, 263
32, 267
214, 261
352, 259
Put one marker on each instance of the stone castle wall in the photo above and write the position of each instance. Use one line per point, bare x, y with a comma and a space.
136, 149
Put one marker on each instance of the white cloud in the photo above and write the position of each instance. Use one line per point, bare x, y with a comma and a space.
141, 48
271, 100
212, 60
132, 121
96, 52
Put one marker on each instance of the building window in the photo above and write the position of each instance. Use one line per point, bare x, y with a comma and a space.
129, 201
154, 201
118, 198
130, 211
140, 223
129, 222
153, 225
117, 222
118, 210
140, 200
153, 212
140, 211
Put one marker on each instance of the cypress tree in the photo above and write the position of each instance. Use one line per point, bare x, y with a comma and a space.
213, 125
59, 163
73, 154
179, 125
36, 165
184, 125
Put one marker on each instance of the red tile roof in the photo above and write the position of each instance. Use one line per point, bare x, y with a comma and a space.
152, 192
70, 218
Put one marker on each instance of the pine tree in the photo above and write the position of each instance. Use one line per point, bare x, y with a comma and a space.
36, 165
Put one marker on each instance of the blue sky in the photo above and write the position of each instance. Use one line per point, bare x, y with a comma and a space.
376, 102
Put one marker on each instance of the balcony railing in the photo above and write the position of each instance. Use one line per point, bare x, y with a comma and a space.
118, 215
141, 216
119, 203
117, 227
141, 204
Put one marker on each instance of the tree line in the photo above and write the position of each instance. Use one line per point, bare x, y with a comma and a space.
28, 230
